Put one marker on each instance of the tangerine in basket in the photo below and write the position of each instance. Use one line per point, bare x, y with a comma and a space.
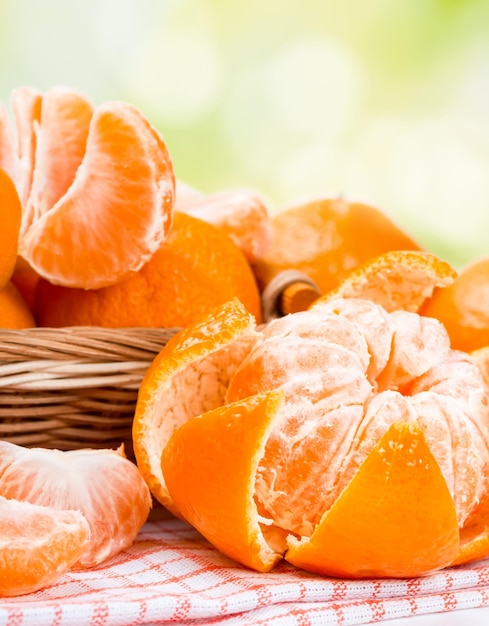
103, 485
327, 238
98, 186
10, 214
15, 313
197, 268
348, 439
241, 213
37, 545
464, 306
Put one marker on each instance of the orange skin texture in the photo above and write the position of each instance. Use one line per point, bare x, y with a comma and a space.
197, 268
26, 280
10, 213
14, 310
197, 483
463, 307
327, 238
395, 519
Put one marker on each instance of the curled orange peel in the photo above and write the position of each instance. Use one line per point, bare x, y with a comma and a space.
227, 465
395, 518
399, 279
201, 358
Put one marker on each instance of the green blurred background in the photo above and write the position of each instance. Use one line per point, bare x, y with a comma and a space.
382, 101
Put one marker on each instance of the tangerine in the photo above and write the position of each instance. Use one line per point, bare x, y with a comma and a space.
197, 268
103, 485
327, 238
463, 307
241, 213
14, 310
11, 212
373, 402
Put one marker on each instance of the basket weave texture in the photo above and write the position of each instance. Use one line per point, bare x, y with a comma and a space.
73, 387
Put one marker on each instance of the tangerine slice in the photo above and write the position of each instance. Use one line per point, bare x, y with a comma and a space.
102, 484
399, 279
117, 211
61, 137
26, 105
395, 518
214, 491
188, 377
37, 545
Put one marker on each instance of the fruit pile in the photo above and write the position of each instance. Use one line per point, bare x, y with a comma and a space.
350, 438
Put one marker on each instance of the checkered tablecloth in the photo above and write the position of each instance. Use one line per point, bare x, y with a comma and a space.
171, 574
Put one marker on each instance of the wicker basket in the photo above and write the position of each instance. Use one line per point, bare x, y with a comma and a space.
76, 387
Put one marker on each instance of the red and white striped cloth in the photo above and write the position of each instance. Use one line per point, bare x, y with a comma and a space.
171, 574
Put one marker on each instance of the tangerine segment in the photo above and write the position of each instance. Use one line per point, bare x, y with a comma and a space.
102, 484
11, 211
395, 518
188, 377
119, 205
210, 464
37, 545
26, 105
61, 138
481, 358
398, 279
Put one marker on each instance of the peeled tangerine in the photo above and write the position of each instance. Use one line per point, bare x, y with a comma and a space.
348, 439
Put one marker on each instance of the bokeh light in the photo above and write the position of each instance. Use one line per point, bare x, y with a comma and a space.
386, 102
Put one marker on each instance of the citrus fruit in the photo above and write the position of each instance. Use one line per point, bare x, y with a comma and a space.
327, 238
97, 186
373, 402
103, 485
240, 212
197, 268
25, 279
37, 545
14, 310
463, 307
163, 403
10, 212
